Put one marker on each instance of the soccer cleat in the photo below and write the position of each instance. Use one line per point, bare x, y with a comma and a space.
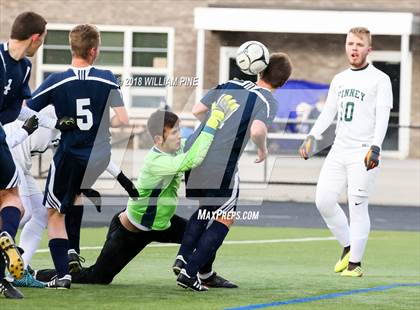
75, 261
179, 264
187, 282
342, 263
216, 281
28, 280
60, 284
9, 291
11, 254
45, 275
356, 272
31, 271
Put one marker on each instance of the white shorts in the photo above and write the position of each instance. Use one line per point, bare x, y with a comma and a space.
28, 185
345, 166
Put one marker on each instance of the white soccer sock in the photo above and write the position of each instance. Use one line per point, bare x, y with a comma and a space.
33, 229
359, 227
333, 215
26, 202
206, 275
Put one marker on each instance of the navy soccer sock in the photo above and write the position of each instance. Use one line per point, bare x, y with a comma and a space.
73, 221
208, 267
58, 248
208, 245
10, 217
193, 231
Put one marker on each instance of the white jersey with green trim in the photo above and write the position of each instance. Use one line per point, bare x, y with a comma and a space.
356, 94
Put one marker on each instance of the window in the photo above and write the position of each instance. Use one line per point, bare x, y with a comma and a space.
390, 63
150, 50
140, 57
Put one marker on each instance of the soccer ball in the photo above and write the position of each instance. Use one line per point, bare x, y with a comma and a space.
252, 57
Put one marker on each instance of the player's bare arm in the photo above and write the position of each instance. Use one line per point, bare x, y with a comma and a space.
259, 137
199, 110
120, 117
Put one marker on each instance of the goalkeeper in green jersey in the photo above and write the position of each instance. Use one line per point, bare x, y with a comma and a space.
151, 217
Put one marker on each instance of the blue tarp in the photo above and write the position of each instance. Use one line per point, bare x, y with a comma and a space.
294, 93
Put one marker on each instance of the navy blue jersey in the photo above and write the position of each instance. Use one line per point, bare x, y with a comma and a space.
2, 79
15, 86
219, 166
85, 94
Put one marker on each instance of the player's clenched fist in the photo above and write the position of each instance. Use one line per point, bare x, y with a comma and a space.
66, 123
31, 124
307, 149
372, 157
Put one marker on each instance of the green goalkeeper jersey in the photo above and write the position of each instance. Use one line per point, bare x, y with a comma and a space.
159, 181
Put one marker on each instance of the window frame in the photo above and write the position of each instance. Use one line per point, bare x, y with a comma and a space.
126, 70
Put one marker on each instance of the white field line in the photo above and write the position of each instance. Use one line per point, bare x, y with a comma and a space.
162, 245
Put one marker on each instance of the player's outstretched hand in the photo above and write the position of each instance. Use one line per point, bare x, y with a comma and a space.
66, 123
128, 185
31, 124
372, 157
307, 149
227, 104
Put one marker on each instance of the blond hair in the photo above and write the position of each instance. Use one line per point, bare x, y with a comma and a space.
361, 32
82, 38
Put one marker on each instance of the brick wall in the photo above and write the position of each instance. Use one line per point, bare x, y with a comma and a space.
415, 100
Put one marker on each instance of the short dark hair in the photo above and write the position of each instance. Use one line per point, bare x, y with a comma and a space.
82, 38
161, 120
26, 24
278, 70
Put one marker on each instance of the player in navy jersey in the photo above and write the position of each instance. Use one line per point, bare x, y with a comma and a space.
215, 183
87, 94
27, 35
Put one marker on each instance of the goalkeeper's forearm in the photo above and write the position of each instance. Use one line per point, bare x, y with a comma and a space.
113, 169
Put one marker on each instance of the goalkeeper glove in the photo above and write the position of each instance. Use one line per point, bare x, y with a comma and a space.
372, 157
128, 185
66, 123
94, 196
31, 124
220, 110
307, 149
227, 104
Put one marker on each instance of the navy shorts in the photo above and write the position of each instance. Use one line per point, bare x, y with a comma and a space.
221, 200
8, 173
67, 176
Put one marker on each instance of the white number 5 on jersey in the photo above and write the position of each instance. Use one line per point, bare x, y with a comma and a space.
84, 116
